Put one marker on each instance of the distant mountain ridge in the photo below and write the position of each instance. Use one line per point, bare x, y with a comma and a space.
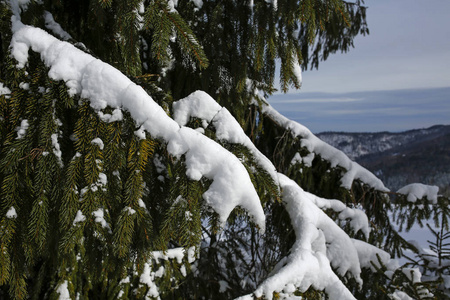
420, 155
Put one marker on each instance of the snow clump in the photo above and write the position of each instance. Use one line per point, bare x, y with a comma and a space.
416, 191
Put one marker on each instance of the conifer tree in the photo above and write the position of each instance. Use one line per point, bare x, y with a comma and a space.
140, 160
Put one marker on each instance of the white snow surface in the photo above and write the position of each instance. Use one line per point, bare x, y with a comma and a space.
147, 278
416, 191
358, 219
24, 85
56, 148
320, 244
105, 86
176, 253
108, 118
329, 153
98, 142
11, 213
399, 295
297, 69
4, 90
201, 105
18, 5
413, 274
99, 216
79, 217
198, 3
368, 253
148, 275
63, 291
22, 129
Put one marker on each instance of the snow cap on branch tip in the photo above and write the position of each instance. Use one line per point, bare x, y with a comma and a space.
336, 158
415, 191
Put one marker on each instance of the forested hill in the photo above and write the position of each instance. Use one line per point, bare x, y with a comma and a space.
421, 155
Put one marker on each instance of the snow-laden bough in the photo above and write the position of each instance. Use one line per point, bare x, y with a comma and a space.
103, 86
353, 171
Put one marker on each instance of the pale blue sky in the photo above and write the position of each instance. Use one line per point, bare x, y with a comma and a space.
397, 78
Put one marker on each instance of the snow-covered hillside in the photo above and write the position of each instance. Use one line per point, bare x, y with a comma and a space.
356, 145
399, 159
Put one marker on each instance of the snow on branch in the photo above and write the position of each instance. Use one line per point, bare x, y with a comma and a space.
416, 191
103, 86
4, 90
148, 276
358, 219
320, 245
201, 105
334, 156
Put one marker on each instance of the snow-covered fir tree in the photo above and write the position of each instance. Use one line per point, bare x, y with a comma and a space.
139, 159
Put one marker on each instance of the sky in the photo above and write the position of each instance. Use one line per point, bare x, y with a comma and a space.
396, 78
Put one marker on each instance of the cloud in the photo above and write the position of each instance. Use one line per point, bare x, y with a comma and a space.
391, 110
406, 49
281, 100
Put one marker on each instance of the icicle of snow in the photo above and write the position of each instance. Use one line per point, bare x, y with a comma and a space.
326, 151
11, 213
105, 86
63, 291
22, 130
416, 191
320, 243
54, 26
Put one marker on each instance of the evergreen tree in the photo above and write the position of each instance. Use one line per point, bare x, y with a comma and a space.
140, 160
